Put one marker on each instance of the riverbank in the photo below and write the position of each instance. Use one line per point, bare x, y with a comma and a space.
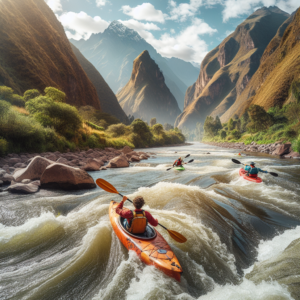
277, 148
24, 169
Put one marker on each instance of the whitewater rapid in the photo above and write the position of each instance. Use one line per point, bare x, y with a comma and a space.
60, 245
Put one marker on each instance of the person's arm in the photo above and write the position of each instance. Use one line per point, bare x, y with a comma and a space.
260, 170
151, 220
123, 212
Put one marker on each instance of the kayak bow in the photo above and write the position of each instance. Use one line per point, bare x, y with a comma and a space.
152, 251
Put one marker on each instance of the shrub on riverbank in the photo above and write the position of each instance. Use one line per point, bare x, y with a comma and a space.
49, 124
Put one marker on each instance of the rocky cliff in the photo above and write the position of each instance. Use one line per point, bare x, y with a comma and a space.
146, 95
227, 69
35, 53
108, 100
279, 66
113, 51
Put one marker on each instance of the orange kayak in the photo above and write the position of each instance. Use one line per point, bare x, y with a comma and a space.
151, 247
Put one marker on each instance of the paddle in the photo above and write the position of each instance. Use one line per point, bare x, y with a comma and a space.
106, 186
238, 162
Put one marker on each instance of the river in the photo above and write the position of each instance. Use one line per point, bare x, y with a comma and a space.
60, 245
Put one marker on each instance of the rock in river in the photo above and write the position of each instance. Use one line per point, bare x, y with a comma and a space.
118, 162
58, 176
24, 188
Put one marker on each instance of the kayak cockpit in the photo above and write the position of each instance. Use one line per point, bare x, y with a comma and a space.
149, 234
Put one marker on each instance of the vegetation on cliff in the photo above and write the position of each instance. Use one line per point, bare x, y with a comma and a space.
260, 126
44, 122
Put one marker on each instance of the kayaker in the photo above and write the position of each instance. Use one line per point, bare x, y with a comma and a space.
252, 171
135, 221
178, 162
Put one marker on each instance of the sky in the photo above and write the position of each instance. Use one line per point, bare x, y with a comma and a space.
175, 28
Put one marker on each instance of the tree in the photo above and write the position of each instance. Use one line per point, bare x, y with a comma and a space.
236, 133
244, 121
168, 127
152, 122
293, 112
55, 94
223, 134
198, 131
260, 119
6, 93
63, 117
209, 126
230, 124
158, 129
116, 129
142, 134
31, 94
218, 124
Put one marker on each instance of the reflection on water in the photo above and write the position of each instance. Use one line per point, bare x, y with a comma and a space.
60, 245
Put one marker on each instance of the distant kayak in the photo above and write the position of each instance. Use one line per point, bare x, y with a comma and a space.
151, 247
180, 168
243, 173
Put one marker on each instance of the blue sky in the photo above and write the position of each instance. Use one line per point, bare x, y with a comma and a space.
175, 28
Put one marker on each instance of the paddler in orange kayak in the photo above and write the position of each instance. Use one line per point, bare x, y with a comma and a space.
252, 171
135, 221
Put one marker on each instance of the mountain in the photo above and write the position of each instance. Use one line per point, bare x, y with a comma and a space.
227, 69
279, 66
35, 53
113, 52
107, 98
146, 95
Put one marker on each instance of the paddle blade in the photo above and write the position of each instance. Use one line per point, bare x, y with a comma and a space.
106, 186
236, 161
169, 169
190, 161
177, 236
273, 174
187, 155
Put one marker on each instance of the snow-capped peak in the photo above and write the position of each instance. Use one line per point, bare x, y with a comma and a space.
123, 31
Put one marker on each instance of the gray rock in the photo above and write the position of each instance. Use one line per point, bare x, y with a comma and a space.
26, 181
23, 188
118, 162
20, 165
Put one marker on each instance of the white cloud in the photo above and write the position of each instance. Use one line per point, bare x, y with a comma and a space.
83, 24
55, 5
237, 8
145, 11
187, 45
139, 26
100, 3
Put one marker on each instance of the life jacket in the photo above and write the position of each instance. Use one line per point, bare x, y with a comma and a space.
178, 162
138, 223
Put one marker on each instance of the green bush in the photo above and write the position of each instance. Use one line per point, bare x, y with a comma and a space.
142, 133
236, 133
55, 94
157, 128
31, 94
63, 117
296, 144
6, 93
3, 147
223, 134
4, 108
116, 130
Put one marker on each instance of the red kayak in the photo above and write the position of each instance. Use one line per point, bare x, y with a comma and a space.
243, 174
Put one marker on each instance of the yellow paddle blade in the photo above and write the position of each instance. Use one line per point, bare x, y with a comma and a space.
106, 186
177, 236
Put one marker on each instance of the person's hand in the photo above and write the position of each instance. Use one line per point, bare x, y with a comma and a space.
124, 199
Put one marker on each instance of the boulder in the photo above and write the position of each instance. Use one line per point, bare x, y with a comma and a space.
282, 149
7, 178
62, 160
26, 181
24, 188
118, 162
126, 150
2, 172
13, 161
34, 170
59, 176
20, 165
134, 158
103, 168
143, 156
293, 155
51, 157
92, 164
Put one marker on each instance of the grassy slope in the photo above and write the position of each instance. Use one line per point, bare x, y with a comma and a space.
35, 53
280, 65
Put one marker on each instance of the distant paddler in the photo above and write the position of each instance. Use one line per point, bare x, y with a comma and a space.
178, 162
